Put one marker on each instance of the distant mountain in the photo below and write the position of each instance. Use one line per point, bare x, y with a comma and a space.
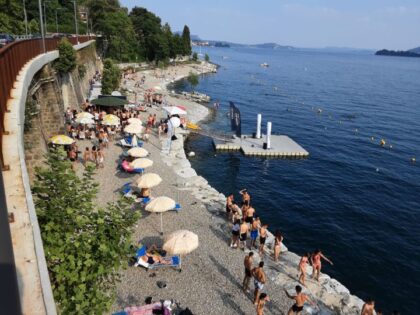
399, 53
415, 50
271, 46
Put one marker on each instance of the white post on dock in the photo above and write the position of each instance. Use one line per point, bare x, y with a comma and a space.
268, 135
258, 135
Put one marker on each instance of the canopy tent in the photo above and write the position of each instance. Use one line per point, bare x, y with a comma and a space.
109, 101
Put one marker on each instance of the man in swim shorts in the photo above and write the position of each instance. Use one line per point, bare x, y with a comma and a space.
243, 234
248, 271
255, 225
259, 280
300, 300
263, 237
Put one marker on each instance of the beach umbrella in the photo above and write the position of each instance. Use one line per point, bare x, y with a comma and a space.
157, 88
180, 242
174, 110
175, 121
148, 180
141, 163
138, 152
160, 205
110, 120
61, 139
85, 121
84, 115
133, 129
134, 121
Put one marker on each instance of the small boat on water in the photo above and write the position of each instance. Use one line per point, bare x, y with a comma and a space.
264, 65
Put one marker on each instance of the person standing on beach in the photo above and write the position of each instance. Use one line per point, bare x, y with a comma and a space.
229, 201
302, 268
263, 237
259, 280
235, 234
250, 212
87, 156
277, 245
245, 196
316, 263
254, 231
248, 271
243, 234
300, 300
262, 299
368, 307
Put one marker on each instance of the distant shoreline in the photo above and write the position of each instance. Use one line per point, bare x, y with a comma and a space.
393, 53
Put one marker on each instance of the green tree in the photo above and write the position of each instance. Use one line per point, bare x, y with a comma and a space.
111, 77
195, 56
66, 61
178, 45
206, 57
193, 80
186, 39
85, 246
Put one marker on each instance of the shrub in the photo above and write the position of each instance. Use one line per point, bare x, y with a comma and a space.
66, 61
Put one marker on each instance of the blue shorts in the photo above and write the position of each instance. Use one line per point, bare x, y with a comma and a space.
254, 235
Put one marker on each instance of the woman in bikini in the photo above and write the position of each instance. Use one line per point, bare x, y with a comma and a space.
302, 268
277, 245
316, 263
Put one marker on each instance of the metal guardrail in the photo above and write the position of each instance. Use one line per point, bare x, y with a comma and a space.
12, 59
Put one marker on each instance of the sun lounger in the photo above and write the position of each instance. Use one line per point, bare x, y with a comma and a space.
126, 167
174, 261
126, 143
148, 309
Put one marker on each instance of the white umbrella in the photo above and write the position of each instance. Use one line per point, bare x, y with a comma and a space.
175, 121
174, 110
85, 121
141, 163
158, 88
180, 242
160, 205
84, 115
116, 93
148, 180
134, 121
138, 152
133, 129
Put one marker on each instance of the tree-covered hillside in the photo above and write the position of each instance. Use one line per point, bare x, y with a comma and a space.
126, 36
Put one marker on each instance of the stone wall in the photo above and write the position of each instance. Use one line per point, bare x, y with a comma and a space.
48, 97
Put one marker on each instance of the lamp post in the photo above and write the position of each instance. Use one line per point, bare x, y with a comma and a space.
75, 21
45, 16
42, 25
56, 18
26, 18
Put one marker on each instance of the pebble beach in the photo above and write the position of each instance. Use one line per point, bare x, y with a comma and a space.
211, 277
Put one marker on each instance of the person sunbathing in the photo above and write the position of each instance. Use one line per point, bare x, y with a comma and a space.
150, 259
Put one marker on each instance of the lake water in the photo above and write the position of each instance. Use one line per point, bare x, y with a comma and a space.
357, 201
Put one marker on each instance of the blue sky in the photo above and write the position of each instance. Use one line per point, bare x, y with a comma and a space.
303, 23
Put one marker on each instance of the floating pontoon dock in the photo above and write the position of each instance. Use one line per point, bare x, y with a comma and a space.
281, 146
258, 145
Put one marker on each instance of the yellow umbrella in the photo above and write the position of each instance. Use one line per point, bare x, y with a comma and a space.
133, 128
180, 242
138, 152
110, 120
134, 121
148, 180
84, 115
160, 205
141, 163
61, 139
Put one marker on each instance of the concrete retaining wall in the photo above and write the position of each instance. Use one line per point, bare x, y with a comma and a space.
33, 279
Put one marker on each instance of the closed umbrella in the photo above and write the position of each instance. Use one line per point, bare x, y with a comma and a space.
148, 180
84, 115
134, 121
61, 139
141, 163
85, 121
138, 152
180, 242
160, 205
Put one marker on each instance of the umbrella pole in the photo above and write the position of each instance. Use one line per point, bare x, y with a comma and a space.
161, 224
